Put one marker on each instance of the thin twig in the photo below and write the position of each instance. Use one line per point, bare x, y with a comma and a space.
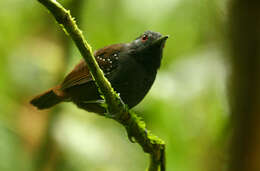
134, 125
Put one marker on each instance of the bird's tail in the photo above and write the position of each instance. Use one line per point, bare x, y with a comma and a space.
48, 98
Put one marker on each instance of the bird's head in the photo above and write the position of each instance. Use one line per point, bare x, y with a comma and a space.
148, 49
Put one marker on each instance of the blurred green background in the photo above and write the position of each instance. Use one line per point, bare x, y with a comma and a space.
187, 105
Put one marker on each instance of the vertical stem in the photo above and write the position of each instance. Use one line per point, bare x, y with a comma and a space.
244, 25
154, 164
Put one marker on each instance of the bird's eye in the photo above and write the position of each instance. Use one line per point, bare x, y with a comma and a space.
144, 38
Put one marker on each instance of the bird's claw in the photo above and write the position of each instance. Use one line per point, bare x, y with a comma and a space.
109, 115
130, 135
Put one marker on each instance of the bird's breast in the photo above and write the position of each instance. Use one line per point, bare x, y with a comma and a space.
132, 81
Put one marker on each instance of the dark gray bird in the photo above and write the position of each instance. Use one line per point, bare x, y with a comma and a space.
131, 68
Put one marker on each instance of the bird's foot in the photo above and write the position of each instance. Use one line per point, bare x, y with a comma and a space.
130, 135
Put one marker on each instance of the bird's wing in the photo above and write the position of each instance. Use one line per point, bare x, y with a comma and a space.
106, 57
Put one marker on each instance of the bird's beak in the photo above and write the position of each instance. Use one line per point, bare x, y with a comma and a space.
161, 41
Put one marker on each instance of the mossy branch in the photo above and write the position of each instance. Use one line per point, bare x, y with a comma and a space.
134, 125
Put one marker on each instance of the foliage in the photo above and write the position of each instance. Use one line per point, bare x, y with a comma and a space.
187, 105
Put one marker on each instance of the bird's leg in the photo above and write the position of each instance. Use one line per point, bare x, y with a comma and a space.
100, 101
96, 106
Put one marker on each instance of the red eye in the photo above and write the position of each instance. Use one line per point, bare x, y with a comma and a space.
144, 38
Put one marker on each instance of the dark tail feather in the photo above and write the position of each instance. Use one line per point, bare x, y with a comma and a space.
46, 99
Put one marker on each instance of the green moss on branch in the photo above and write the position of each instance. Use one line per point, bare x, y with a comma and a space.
134, 125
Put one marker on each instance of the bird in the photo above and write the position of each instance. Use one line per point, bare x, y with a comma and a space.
131, 68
